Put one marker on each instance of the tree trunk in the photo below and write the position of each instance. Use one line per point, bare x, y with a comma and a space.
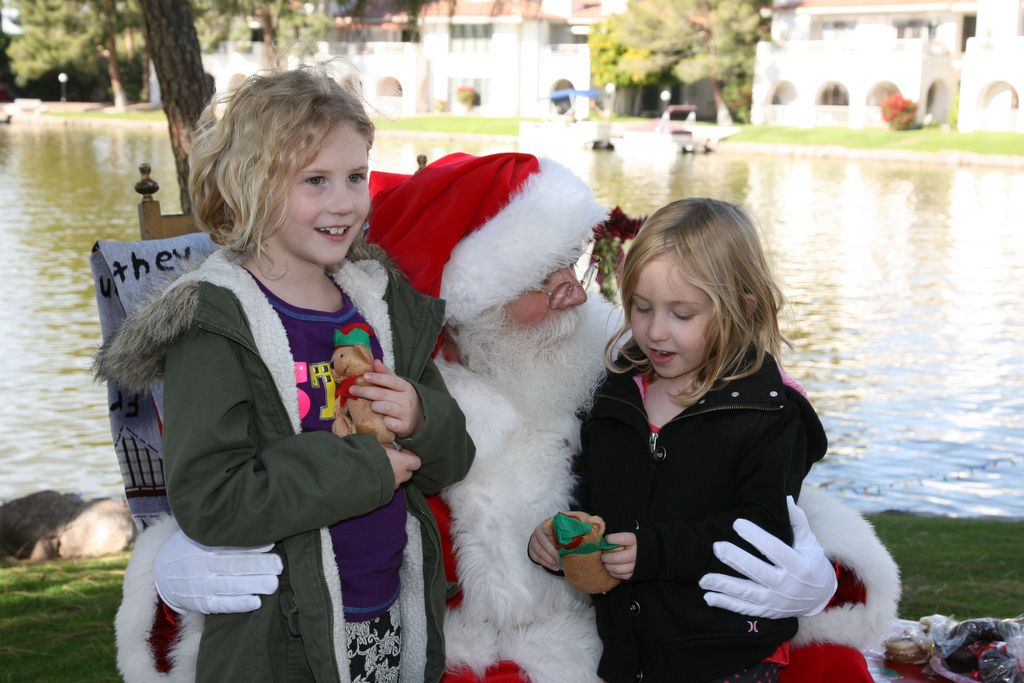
114, 74
110, 50
185, 89
266, 19
723, 117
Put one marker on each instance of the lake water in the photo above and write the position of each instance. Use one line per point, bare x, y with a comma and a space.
905, 282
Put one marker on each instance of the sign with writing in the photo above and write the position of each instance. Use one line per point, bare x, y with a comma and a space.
127, 275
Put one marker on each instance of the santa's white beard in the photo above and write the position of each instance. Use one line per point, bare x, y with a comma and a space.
549, 370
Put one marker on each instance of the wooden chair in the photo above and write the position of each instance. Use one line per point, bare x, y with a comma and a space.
152, 223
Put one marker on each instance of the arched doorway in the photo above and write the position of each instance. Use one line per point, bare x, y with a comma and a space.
998, 105
877, 96
563, 103
781, 109
936, 107
832, 105
879, 92
388, 96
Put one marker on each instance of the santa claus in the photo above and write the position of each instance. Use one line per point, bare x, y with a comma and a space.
497, 237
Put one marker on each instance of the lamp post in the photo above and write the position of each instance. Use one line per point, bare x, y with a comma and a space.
665, 96
63, 78
609, 90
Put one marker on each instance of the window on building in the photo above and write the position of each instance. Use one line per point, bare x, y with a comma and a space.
917, 28
836, 30
970, 28
471, 37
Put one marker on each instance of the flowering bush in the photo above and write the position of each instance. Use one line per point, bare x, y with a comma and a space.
466, 95
609, 239
899, 112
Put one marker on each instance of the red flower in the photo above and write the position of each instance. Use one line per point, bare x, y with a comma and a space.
619, 225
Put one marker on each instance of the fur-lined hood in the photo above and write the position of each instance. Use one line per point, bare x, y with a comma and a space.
133, 358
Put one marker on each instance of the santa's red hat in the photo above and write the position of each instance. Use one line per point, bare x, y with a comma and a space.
479, 231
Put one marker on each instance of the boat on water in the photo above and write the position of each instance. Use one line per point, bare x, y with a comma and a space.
675, 131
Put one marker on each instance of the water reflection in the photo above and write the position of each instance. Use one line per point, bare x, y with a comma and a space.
904, 282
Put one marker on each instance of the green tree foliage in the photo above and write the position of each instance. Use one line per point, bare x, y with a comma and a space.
5, 63
59, 35
612, 61
87, 40
695, 39
284, 26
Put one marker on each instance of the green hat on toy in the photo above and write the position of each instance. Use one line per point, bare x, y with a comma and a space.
355, 334
569, 533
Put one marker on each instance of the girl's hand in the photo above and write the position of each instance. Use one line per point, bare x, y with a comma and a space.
542, 548
392, 397
403, 464
620, 563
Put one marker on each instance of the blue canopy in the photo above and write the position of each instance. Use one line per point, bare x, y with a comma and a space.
566, 93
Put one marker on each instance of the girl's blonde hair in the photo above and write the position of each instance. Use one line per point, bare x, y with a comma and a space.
250, 142
716, 248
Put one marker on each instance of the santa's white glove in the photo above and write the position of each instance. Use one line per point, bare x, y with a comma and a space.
193, 577
799, 583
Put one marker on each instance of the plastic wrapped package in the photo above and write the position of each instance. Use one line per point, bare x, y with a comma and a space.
986, 649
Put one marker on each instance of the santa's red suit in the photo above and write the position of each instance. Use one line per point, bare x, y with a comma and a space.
479, 232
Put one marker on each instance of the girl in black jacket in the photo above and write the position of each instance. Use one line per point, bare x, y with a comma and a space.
692, 429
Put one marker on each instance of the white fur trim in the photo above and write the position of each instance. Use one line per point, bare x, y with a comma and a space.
413, 606
847, 537
134, 621
545, 225
365, 282
411, 600
512, 609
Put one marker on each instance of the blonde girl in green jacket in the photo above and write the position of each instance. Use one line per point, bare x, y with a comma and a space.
279, 181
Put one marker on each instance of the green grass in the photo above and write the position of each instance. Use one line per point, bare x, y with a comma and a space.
921, 140
56, 618
958, 567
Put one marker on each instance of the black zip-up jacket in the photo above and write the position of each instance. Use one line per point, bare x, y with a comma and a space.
737, 452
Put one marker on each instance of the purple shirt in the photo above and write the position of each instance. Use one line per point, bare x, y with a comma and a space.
367, 548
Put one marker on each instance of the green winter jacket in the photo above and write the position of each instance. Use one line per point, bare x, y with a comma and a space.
239, 472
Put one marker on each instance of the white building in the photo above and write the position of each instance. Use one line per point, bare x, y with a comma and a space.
833, 62
992, 79
512, 53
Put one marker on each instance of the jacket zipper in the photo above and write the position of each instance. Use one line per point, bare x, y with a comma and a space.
652, 439
331, 622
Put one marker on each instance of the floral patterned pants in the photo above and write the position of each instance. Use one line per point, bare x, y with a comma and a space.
375, 647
